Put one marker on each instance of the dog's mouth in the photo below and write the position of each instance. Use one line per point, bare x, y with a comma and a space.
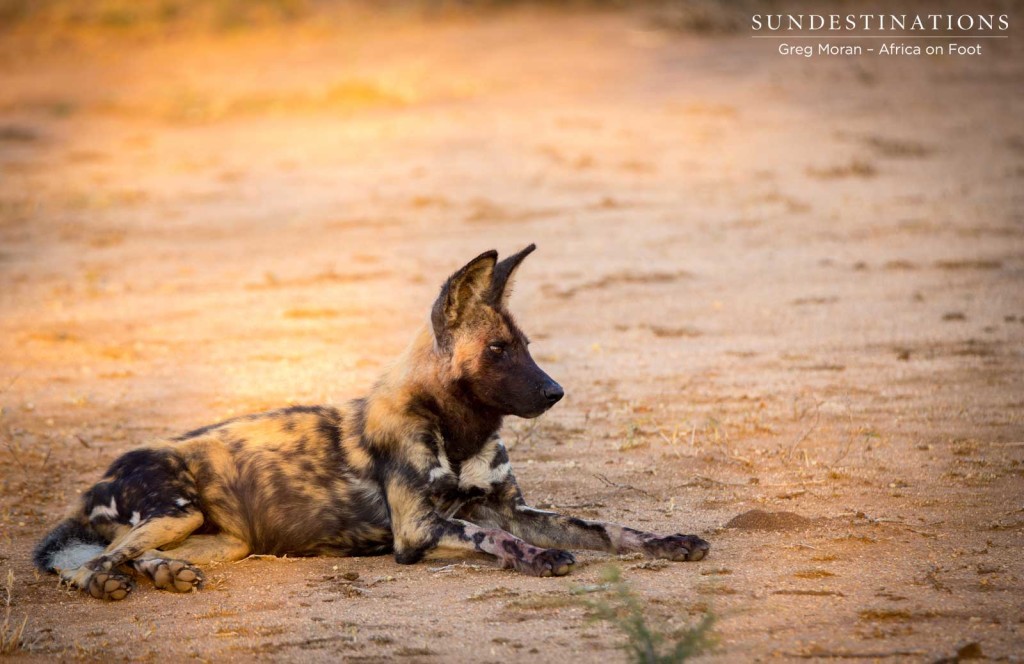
533, 414
530, 400
549, 395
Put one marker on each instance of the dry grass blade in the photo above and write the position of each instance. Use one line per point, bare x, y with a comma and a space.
14, 449
807, 432
11, 633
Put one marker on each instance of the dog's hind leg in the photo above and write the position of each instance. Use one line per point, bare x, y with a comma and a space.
99, 576
174, 568
203, 549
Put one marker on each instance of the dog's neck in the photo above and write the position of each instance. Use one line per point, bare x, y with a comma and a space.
417, 384
464, 427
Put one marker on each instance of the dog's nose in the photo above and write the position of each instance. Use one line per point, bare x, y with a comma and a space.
553, 393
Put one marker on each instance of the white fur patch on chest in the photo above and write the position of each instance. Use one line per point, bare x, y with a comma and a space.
477, 471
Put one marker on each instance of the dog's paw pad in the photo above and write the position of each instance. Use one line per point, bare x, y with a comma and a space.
176, 576
109, 586
678, 547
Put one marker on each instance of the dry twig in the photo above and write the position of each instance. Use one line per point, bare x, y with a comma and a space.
807, 432
620, 486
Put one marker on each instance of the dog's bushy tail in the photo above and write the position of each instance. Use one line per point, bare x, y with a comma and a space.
67, 546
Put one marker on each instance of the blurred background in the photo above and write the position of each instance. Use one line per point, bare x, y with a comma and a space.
766, 282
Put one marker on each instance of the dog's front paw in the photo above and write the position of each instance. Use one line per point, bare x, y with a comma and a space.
677, 547
547, 562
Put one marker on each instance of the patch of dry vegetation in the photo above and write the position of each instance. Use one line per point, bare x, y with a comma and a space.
646, 642
12, 633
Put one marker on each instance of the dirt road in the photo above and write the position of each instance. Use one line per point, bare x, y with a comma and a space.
770, 283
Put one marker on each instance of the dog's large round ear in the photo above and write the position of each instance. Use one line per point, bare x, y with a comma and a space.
461, 292
504, 276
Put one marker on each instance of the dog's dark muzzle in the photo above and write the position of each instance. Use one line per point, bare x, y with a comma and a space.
552, 393
548, 395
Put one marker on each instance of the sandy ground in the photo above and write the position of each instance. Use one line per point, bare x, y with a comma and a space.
765, 283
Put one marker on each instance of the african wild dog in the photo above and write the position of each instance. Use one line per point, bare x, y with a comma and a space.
415, 468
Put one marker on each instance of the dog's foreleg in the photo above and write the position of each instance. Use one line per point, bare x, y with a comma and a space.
420, 532
550, 529
461, 538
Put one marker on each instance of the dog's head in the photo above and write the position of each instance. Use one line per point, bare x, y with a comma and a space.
487, 352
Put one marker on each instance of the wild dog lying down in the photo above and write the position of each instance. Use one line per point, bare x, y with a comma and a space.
415, 468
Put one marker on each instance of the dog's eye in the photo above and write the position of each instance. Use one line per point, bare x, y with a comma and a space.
497, 347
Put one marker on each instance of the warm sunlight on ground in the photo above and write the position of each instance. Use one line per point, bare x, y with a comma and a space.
765, 283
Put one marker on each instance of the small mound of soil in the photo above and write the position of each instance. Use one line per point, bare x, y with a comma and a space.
762, 520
